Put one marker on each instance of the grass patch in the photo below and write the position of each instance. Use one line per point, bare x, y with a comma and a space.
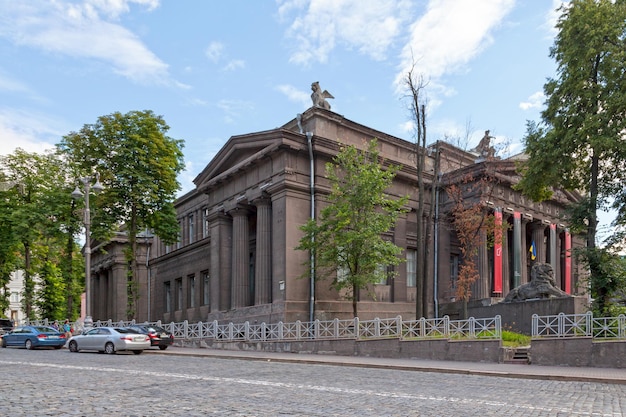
512, 339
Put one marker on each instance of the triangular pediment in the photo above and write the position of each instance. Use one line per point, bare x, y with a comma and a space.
239, 152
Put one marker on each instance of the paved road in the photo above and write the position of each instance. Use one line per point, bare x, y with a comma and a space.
60, 383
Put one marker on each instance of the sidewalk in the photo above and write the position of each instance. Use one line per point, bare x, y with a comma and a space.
557, 373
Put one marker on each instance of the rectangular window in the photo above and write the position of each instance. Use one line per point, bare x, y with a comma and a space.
205, 288
383, 272
179, 294
191, 231
205, 223
15, 297
411, 267
191, 279
180, 232
168, 297
454, 271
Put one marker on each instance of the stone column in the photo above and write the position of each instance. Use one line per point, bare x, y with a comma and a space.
240, 294
263, 270
554, 261
220, 230
538, 237
481, 288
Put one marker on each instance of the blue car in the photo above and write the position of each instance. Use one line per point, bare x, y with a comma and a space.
32, 337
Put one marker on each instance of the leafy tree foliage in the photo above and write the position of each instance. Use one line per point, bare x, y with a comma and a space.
138, 166
580, 143
33, 213
347, 242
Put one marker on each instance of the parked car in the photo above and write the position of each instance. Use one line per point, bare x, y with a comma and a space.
6, 326
158, 335
110, 340
32, 337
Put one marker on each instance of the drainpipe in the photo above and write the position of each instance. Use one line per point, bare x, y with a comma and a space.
309, 137
436, 249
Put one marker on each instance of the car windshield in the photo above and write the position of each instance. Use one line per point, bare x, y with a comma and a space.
43, 329
126, 330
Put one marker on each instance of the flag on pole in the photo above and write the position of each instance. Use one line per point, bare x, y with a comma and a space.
533, 251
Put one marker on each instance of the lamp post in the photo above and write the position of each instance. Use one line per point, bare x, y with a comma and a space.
78, 194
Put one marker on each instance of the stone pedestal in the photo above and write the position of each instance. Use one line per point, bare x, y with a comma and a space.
518, 316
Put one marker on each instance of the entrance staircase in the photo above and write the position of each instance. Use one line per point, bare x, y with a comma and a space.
517, 355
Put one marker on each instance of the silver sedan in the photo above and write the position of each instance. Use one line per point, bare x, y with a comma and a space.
110, 340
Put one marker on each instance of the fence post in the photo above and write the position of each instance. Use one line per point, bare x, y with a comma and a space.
446, 326
200, 330
561, 325
377, 327
357, 331
589, 324
621, 326
498, 326
215, 329
399, 326
472, 327
231, 331
298, 329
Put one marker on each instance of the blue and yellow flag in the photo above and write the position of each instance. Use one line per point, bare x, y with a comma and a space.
533, 251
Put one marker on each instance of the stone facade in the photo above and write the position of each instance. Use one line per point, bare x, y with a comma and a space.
235, 260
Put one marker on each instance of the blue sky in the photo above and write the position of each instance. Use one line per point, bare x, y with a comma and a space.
214, 69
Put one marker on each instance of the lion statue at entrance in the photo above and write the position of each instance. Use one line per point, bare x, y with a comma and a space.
541, 286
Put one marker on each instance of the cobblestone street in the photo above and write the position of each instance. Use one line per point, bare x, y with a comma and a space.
60, 383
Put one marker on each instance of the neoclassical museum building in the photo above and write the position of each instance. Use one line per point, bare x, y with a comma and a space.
235, 259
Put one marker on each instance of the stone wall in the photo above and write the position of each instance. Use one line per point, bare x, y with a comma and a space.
579, 351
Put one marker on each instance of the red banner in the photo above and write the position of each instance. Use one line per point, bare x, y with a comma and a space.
497, 254
568, 262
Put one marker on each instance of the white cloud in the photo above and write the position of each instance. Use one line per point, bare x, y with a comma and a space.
295, 95
370, 26
214, 51
79, 30
26, 130
535, 101
235, 64
450, 34
114, 8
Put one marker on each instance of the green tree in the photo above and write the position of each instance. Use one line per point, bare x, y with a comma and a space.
579, 145
347, 243
32, 214
9, 244
138, 166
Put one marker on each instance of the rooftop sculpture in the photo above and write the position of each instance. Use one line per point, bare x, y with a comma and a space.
319, 97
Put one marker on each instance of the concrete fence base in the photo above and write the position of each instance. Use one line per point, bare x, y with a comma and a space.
393, 348
578, 351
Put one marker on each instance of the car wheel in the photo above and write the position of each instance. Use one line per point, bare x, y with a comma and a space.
28, 344
162, 347
137, 352
73, 346
4, 343
109, 348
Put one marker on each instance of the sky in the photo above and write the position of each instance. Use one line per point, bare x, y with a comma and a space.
216, 69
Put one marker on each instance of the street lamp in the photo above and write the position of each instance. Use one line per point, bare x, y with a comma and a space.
78, 194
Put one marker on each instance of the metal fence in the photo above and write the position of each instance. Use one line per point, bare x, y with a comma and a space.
579, 325
442, 328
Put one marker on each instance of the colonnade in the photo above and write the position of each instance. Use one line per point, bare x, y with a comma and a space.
241, 258
508, 264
